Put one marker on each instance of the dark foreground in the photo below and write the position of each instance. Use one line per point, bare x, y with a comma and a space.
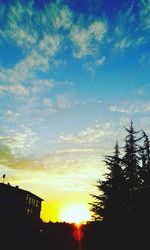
63, 236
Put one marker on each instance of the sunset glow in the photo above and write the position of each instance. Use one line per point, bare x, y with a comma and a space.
75, 213
72, 75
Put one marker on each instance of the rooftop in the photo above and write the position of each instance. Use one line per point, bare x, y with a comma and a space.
8, 187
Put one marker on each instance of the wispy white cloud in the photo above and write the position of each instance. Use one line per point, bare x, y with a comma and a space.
93, 65
63, 101
64, 167
50, 29
124, 43
59, 166
88, 101
17, 90
126, 32
18, 25
21, 143
15, 152
22, 79
55, 16
130, 108
34, 61
89, 137
145, 13
87, 40
11, 116
24, 71
25, 25
71, 164
50, 44
49, 107
61, 16
101, 60
41, 84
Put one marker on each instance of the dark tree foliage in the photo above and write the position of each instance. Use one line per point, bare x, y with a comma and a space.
113, 187
125, 191
109, 205
97, 207
145, 177
131, 167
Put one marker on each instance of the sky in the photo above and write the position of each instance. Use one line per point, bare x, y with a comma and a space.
73, 74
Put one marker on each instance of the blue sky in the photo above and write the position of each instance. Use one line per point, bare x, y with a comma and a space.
72, 75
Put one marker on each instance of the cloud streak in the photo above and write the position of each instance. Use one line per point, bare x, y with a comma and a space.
131, 108
87, 40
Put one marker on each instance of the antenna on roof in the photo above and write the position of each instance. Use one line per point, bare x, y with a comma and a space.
4, 177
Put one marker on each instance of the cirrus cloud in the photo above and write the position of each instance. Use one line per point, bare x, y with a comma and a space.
87, 40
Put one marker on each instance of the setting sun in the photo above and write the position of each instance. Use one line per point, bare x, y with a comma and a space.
75, 213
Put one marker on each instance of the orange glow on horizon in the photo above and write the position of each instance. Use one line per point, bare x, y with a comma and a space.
59, 206
75, 213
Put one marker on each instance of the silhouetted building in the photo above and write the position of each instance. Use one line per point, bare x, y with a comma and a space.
18, 203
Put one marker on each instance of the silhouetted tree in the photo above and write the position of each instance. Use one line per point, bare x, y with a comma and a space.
109, 204
125, 191
131, 167
145, 176
97, 207
145, 156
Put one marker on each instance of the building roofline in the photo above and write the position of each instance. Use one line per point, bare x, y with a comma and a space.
19, 189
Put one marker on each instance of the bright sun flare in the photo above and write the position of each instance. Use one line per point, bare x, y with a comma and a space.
75, 213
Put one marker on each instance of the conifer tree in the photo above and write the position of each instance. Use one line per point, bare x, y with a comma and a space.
125, 191
109, 204
131, 167
145, 176
146, 156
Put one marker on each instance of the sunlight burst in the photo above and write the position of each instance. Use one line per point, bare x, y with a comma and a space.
75, 213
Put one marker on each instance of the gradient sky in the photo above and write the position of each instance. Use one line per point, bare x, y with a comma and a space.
72, 75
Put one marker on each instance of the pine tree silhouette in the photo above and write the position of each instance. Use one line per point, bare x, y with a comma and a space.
145, 176
109, 204
131, 167
123, 202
